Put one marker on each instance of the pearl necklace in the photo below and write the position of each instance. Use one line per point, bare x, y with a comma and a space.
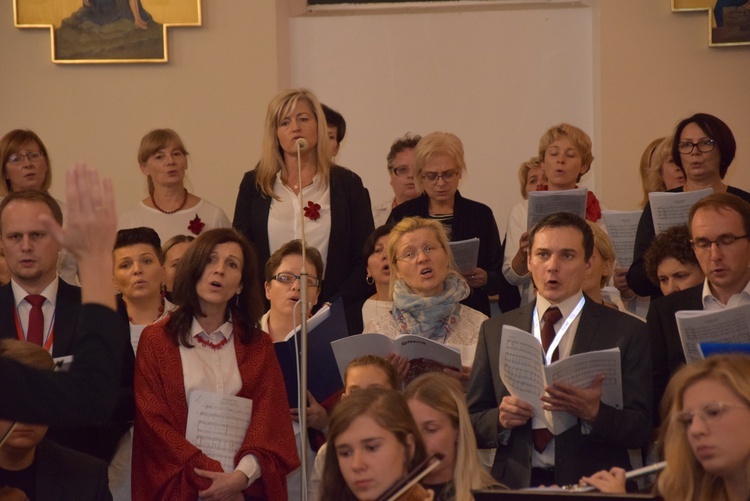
182, 206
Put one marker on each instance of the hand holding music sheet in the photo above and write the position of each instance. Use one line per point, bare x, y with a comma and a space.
425, 355
544, 203
725, 326
465, 254
217, 425
523, 372
672, 209
621, 228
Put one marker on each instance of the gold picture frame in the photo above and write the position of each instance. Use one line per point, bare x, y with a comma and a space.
107, 31
728, 20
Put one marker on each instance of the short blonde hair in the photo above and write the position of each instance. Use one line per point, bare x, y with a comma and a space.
153, 142
581, 142
272, 157
29, 354
523, 173
437, 143
409, 225
645, 168
604, 247
661, 154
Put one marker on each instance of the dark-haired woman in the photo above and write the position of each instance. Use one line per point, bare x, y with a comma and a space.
210, 344
703, 146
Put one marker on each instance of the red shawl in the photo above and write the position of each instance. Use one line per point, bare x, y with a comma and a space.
163, 460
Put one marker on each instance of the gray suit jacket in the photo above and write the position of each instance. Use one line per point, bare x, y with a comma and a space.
613, 432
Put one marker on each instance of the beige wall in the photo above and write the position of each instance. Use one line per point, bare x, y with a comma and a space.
213, 92
651, 67
655, 69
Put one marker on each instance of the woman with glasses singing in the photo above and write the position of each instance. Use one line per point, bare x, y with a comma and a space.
169, 208
703, 146
439, 166
282, 286
337, 216
427, 290
706, 438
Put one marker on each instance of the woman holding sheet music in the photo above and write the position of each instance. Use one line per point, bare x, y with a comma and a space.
703, 146
282, 285
337, 214
427, 289
210, 344
438, 167
565, 154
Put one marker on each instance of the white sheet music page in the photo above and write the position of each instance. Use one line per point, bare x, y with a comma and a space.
621, 228
465, 254
544, 203
217, 425
672, 209
725, 326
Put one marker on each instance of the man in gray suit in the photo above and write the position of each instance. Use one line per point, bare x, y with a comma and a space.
560, 254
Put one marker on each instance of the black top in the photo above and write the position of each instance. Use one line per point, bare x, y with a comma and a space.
637, 277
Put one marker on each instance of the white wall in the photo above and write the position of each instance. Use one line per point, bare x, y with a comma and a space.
496, 78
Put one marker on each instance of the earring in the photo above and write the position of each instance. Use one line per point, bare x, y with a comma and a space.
237, 301
370, 280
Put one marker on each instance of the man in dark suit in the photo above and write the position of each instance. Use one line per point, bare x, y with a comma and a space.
31, 254
560, 253
720, 233
39, 467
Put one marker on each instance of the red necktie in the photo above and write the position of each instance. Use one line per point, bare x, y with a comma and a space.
542, 436
35, 332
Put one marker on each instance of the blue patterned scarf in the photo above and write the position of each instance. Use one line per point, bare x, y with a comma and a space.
431, 317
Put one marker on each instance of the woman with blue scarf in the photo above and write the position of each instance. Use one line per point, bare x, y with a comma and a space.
427, 289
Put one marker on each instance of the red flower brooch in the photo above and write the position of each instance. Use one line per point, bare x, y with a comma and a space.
312, 211
196, 225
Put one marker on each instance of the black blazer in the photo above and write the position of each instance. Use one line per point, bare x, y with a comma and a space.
99, 441
87, 394
470, 219
64, 474
666, 347
351, 224
67, 309
613, 432
637, 277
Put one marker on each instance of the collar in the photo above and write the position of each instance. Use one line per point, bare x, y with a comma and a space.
49, 292
708, 298
223, 332
566, 306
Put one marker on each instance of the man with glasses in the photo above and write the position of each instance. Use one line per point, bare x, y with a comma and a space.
401, 171
720, 231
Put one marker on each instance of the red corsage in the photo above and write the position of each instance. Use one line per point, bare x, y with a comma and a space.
196, 225
312, 211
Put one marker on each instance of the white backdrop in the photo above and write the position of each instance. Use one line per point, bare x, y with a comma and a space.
469, 73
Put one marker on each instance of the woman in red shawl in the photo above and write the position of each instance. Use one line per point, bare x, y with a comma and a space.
210, 343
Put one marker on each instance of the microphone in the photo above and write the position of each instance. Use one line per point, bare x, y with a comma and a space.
301, 144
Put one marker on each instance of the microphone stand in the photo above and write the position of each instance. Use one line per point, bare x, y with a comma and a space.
301, 144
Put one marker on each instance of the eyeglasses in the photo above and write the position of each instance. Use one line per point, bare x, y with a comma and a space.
401, 171
704, 244
290, 278
17, 158
410, 255
434, 176
709, 413
704, 146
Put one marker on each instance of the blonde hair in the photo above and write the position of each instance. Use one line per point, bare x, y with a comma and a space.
645, 168
272, 157
661, 154
523, 173
153, 142
606, 250
684, 477
444, 394
409, 225
437, 143
29, 354
581, 142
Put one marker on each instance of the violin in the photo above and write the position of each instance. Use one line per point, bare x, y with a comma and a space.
407, 488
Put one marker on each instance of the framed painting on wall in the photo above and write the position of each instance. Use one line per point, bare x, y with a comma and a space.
728, 20
107, 31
